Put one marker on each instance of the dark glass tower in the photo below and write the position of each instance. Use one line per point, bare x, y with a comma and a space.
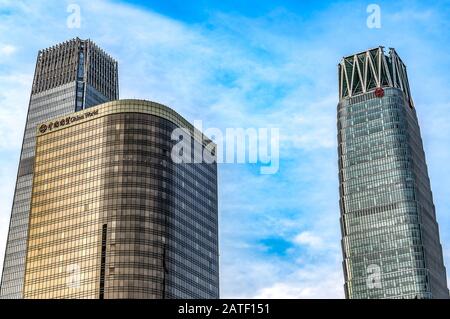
69, 77
113, 216
390, 243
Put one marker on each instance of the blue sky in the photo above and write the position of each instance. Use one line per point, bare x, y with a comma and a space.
248, 64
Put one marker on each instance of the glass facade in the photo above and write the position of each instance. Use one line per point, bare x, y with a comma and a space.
390, 242
72, 75
112, 216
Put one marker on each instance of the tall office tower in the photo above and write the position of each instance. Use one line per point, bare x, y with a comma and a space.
113, 216
390, 242
70, 76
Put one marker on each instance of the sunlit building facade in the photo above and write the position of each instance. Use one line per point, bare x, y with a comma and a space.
390, 243
69, 77
113, 216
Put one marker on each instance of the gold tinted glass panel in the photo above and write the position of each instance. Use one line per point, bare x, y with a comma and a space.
66, 219
112, 216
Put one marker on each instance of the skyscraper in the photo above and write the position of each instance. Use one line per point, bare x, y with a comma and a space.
390, 237
113, 216
69, 77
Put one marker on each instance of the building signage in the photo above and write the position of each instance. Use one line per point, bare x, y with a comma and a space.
65, 121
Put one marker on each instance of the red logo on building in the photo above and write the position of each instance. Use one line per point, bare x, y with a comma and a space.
379, 92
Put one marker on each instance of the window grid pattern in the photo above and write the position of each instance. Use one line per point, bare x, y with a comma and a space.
387, 213
115, 169
135, 106
60, 87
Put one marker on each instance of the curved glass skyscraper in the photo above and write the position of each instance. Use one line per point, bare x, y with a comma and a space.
390, 237
113, 216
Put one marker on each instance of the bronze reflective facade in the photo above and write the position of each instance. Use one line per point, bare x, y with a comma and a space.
69, 77
112, 216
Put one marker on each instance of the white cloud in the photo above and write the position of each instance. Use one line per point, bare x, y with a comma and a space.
7, 50
312, 282
13, 112
309, 239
